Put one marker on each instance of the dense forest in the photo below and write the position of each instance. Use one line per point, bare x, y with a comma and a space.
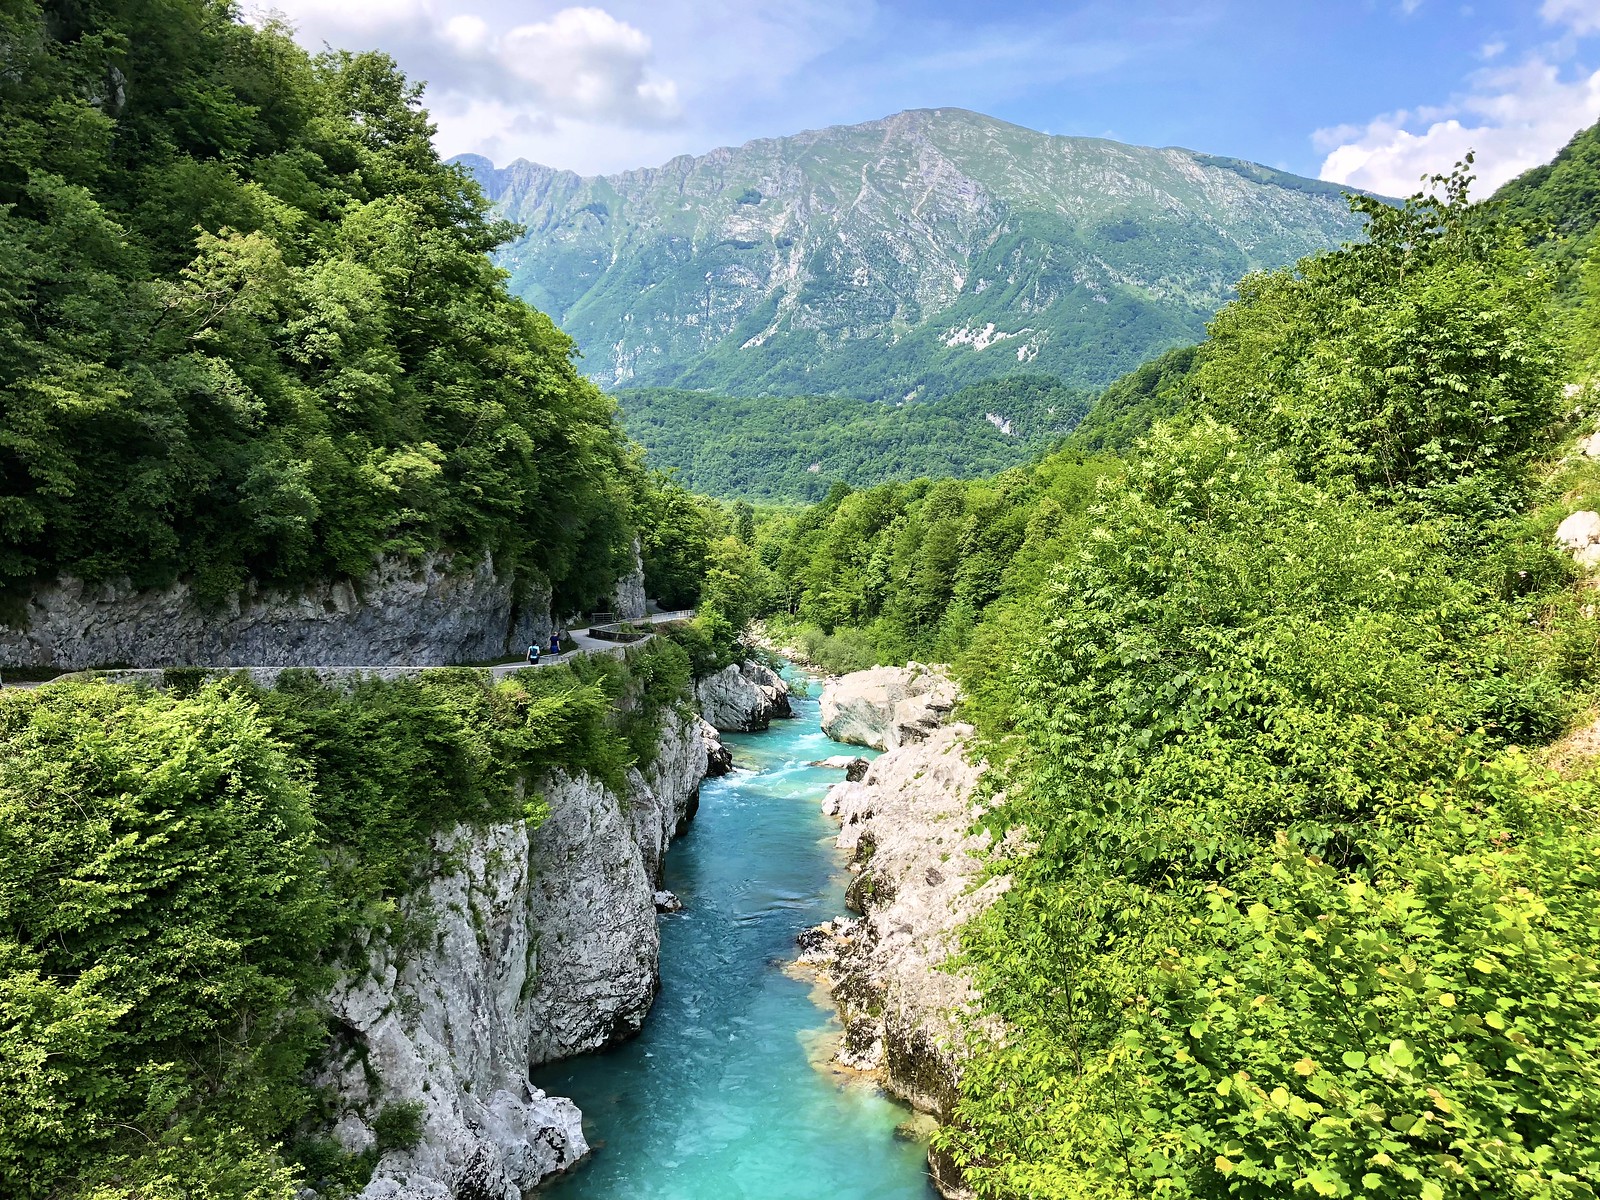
1306, 900
793, 448
185, 871
248, 328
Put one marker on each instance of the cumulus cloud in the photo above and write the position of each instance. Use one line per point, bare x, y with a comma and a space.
583, 62
580, 62
1515, 116
601, 85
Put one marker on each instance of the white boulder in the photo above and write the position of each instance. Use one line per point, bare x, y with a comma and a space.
886, 707
743, 697
1580, 533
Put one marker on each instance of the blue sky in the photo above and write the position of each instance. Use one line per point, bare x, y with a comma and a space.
1371, 92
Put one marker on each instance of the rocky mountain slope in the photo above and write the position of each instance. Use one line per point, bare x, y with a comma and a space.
898, 258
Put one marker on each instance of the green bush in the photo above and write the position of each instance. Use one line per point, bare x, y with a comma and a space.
1419, 366
1290, 893
162, 904
181, 875
398, 1126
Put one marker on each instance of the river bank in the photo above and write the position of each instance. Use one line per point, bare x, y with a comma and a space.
719, 1095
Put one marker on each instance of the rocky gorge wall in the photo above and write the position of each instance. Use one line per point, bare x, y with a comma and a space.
906, 820
430, 611
527, 945
887, 707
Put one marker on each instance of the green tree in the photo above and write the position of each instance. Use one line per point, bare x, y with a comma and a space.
160, 899
248, 328
1419, 364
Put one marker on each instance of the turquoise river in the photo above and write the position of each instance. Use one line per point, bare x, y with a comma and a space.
718, 1097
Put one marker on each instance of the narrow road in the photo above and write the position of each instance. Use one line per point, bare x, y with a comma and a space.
584, 643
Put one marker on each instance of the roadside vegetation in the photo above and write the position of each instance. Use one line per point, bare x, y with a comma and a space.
248, 329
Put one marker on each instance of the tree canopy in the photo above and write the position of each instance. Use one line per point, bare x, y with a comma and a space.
1295, 903
248, 328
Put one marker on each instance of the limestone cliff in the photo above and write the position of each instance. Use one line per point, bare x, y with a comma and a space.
429, 611
527, 945
886, 706
628, 598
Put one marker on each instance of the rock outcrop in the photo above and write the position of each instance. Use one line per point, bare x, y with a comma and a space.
743, 698
886, 707
907, 821
628, 598
719, 759
1580, 534
430, 611
527, 945
908, 826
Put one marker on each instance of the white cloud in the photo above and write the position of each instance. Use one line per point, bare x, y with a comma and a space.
583, 62
1513, 117
598, 86
1581, 16
578, 62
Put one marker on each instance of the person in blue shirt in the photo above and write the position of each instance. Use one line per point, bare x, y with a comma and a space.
555, 643
533, 654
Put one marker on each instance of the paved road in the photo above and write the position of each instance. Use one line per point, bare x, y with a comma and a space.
583, 642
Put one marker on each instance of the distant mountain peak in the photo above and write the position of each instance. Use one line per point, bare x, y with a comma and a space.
907, 255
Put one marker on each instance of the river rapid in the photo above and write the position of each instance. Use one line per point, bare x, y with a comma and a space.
718, 1097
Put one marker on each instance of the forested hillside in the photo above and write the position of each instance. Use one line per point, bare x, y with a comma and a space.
899, 259
248, 328
1302, 900
1558, 204
794, 447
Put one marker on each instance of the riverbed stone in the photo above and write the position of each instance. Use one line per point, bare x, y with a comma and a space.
887, 707
919, 875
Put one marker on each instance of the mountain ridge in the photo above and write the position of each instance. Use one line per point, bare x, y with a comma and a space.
899, 258
488, 166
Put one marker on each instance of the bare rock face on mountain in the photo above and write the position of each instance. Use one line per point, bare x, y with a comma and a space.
743, 698
901, 257
886, 707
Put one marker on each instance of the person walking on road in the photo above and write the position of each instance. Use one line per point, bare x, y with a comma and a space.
533, 655
555, 644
